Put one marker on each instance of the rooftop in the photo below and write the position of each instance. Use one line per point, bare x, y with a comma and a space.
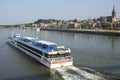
46, 42
29, 38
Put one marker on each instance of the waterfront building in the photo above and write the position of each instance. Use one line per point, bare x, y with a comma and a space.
111, 19
71, 25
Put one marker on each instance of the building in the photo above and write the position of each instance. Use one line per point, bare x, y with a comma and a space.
111, 19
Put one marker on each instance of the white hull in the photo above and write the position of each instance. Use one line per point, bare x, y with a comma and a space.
41, 60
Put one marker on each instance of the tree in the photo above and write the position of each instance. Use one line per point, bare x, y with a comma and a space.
75, 20
106, 25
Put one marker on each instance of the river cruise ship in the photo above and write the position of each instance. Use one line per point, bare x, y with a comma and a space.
47, 53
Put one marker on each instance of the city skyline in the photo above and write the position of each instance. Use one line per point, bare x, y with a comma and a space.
27, 11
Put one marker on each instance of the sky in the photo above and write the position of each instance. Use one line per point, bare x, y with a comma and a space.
27, 11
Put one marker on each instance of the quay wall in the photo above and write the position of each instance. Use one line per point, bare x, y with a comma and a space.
88, 31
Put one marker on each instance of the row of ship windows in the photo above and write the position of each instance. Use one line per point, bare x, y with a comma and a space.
40, 52
57, 55
30, 51
33, 49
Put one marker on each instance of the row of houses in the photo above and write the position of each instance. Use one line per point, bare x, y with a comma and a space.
85, 24
104, 22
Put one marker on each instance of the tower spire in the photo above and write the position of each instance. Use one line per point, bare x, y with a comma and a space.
114, 18
113, 12
113, 8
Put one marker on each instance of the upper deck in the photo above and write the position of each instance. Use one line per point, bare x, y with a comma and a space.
46, 42
49, 47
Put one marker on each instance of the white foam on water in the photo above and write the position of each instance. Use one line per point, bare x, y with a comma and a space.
86, 74
74, 73
68, 76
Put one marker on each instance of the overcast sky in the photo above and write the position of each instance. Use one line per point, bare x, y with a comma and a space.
26, 11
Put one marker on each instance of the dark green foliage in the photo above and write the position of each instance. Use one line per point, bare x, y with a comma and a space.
46, 21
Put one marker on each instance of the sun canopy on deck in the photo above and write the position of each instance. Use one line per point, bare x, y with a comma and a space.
46, 42
29, 38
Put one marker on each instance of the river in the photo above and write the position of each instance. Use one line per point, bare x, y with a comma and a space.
99, 52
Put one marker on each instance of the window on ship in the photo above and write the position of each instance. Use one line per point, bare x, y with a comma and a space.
56, 55
44, 46
53, 47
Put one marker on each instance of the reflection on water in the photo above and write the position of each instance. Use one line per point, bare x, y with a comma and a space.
98, 52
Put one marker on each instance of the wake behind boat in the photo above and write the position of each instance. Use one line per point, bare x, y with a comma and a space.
74, 73
45, 52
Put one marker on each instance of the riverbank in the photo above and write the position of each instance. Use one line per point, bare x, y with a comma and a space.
88, 31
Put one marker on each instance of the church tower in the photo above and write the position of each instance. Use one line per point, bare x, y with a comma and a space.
114, 18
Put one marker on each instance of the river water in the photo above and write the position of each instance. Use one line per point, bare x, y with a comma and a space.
98, 52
